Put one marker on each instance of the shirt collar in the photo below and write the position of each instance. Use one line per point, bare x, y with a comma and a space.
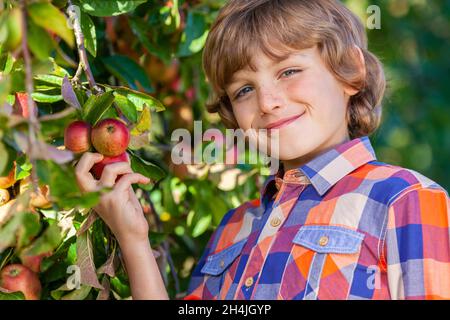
327, 169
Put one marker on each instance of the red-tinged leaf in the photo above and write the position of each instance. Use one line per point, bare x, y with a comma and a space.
109, 267
85, 261
69, 95
41, 150
21, 106
87, 223
104, 294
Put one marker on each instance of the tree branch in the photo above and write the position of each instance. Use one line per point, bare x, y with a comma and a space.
84, 63
33, 123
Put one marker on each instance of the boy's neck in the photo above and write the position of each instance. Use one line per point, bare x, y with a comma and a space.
298, 162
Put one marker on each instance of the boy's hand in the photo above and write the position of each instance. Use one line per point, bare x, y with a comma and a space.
119, 208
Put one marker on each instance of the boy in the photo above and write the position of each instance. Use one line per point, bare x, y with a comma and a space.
333, 223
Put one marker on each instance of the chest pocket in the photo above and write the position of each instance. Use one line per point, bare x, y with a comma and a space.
217, 263
333, 255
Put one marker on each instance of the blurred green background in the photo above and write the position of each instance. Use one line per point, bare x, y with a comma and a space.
414, 46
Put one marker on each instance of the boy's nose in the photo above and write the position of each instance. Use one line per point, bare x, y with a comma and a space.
269, 101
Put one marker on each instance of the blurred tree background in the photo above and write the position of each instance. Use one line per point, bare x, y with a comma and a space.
155, 47
414, 46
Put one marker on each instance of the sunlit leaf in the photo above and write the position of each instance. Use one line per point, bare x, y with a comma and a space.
46, 15
101, 8
90, 36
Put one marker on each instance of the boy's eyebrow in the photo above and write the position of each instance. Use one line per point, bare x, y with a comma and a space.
276, 61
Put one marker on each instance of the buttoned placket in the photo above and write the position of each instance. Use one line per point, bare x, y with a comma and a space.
278, 216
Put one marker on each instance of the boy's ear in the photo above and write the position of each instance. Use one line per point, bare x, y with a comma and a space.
357, 54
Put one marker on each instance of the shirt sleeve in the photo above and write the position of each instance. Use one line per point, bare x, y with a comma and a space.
417, 245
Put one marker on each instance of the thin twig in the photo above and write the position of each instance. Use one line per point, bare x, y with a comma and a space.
84, 63
33, 124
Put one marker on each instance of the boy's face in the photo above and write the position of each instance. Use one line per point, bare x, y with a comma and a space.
299, 97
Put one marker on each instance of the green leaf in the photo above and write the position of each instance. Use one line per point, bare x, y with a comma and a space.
140, 99
46, 98
121, 287
147, 169
128, 71
90, 37
142, 30
50, 79
39, 41
5, 87
12, 296
49, 17
201, 226
79, 294
126, 107
194, 35
7, 158
47, 242
29, 228
96, 106
63, 185
102, 8
6, 63
19, 230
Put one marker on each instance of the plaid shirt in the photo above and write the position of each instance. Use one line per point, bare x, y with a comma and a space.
343, 226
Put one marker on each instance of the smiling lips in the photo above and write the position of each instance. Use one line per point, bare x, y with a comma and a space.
283, 122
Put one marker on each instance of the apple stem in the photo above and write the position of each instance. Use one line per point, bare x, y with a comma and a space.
84, 63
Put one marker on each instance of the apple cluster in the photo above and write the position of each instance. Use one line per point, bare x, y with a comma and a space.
22, 276
109, 137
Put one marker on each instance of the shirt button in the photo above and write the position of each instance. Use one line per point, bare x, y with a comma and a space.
222, 263
275, 222
249, 282
323, 241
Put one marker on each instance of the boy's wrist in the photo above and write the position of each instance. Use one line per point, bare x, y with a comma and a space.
132, 241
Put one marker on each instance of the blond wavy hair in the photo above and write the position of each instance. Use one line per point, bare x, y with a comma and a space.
242, 27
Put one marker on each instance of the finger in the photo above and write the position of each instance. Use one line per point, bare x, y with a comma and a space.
87, 160
84, 178
128, 179
112, 170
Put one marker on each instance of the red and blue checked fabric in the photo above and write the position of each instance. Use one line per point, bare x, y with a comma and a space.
343, 226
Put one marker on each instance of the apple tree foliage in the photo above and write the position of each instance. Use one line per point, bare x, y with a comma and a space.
89, 59
141, 61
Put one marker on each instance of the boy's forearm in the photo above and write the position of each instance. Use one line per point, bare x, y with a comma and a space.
145, 279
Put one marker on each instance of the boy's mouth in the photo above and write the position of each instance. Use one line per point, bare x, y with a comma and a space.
283, 122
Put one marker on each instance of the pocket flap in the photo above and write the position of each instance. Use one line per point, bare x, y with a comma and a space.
216, 263
329, 239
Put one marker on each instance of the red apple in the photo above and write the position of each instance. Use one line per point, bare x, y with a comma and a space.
34, 262
16, 277
110, 137
97, 169
77, 136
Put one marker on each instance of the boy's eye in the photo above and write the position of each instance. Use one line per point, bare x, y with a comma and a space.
241, 93
289, 72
